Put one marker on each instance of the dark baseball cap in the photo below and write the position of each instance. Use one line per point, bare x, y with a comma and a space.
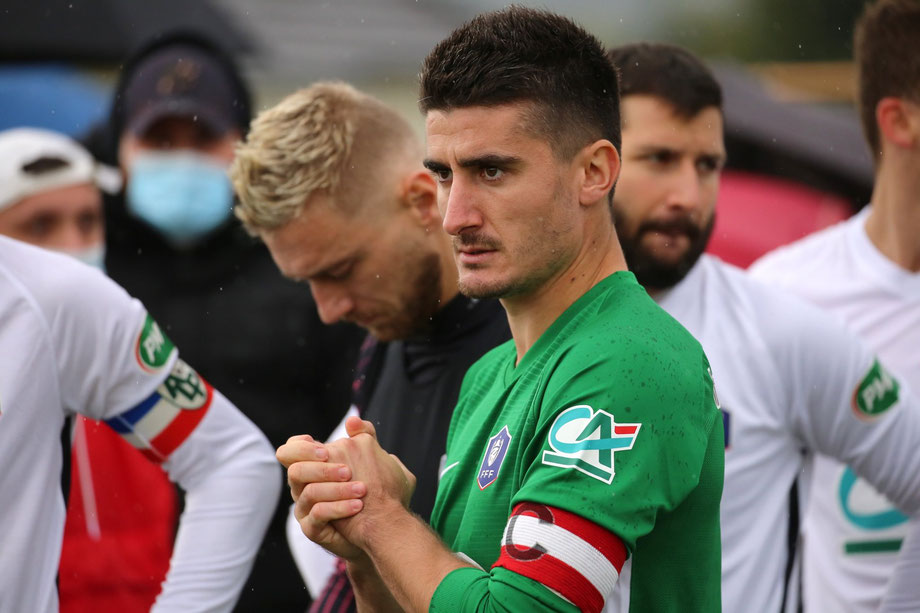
180, 81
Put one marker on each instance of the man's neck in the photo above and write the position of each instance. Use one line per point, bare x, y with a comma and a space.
530, 315
894, 223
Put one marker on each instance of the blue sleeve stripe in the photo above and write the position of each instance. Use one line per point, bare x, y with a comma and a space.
125, 422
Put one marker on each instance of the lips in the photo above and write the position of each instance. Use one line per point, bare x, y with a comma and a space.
473, 256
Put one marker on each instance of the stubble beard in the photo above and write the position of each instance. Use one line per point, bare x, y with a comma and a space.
421, 301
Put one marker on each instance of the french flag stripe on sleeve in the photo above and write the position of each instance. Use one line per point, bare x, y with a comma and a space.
158, 424
125, 422
567, 553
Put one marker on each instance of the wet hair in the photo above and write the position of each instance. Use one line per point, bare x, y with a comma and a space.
526, 55
885, 41
667, 72
327, 138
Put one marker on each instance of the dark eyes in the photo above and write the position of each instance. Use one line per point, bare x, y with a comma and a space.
661, 157
704, 165
491, 173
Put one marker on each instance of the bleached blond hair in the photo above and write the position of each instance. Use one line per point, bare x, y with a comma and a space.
327, 138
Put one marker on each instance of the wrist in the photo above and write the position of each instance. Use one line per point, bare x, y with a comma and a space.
392, 525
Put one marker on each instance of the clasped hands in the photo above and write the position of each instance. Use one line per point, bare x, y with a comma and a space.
345, 491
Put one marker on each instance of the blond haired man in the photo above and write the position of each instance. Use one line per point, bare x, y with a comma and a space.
332, 180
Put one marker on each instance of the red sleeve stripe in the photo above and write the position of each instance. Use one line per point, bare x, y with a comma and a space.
159, 424
565, 552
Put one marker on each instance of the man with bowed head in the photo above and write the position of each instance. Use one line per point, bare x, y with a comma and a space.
593, 432
364, 232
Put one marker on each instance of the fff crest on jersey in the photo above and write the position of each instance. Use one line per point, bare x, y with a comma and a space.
493, 458
586, 440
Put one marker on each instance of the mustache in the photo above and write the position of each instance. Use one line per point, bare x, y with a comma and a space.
477, 240
682, 224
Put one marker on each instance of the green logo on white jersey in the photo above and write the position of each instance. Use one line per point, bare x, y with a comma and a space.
153, 347
876, 393
184, 387
586, 440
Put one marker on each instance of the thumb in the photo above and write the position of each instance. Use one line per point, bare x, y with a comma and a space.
355, 426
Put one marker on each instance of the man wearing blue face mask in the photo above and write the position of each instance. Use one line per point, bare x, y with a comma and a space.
183, 113
179, 108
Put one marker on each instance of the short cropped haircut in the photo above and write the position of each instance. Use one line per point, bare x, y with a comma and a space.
887, 53
667, 72
525, 55
328, 138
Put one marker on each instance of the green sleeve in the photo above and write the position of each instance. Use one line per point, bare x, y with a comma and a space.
472, 589
667, 395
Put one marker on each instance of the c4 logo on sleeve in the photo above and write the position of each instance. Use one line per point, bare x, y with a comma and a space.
876, 393
586, 440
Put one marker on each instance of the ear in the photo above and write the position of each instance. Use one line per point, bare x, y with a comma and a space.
420, 196
898, 122
600, 164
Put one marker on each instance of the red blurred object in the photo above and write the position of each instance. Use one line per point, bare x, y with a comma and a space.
757, 213
121, 518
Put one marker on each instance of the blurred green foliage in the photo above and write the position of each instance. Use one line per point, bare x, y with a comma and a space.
770, 30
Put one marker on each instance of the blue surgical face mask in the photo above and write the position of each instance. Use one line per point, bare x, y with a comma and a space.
94, 256
183, 194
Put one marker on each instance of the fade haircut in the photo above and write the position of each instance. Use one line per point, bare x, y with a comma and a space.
887, 56
328, 138
526, 55
668, 72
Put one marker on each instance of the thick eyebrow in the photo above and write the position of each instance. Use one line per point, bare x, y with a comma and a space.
484, 161
434, 166
492, 160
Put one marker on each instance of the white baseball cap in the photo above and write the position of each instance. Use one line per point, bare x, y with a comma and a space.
68, 164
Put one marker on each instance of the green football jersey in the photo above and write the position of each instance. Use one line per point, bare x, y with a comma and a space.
592, 469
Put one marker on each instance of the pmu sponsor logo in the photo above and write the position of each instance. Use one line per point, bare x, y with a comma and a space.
493, 458
153, 348
876, 393
586, 440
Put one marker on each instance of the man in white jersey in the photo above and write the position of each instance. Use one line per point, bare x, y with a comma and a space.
72, 341
790, 381
867, 272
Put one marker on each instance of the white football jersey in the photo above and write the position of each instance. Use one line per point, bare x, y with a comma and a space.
72, 341
785, 376
852, 533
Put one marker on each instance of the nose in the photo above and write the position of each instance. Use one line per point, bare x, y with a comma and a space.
332, 303
71, 238
686, 189
458, 207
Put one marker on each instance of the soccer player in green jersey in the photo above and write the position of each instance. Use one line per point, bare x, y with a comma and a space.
585, 457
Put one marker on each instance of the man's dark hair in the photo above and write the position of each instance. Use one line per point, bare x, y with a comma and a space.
887, 58
667, 72
527, 55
